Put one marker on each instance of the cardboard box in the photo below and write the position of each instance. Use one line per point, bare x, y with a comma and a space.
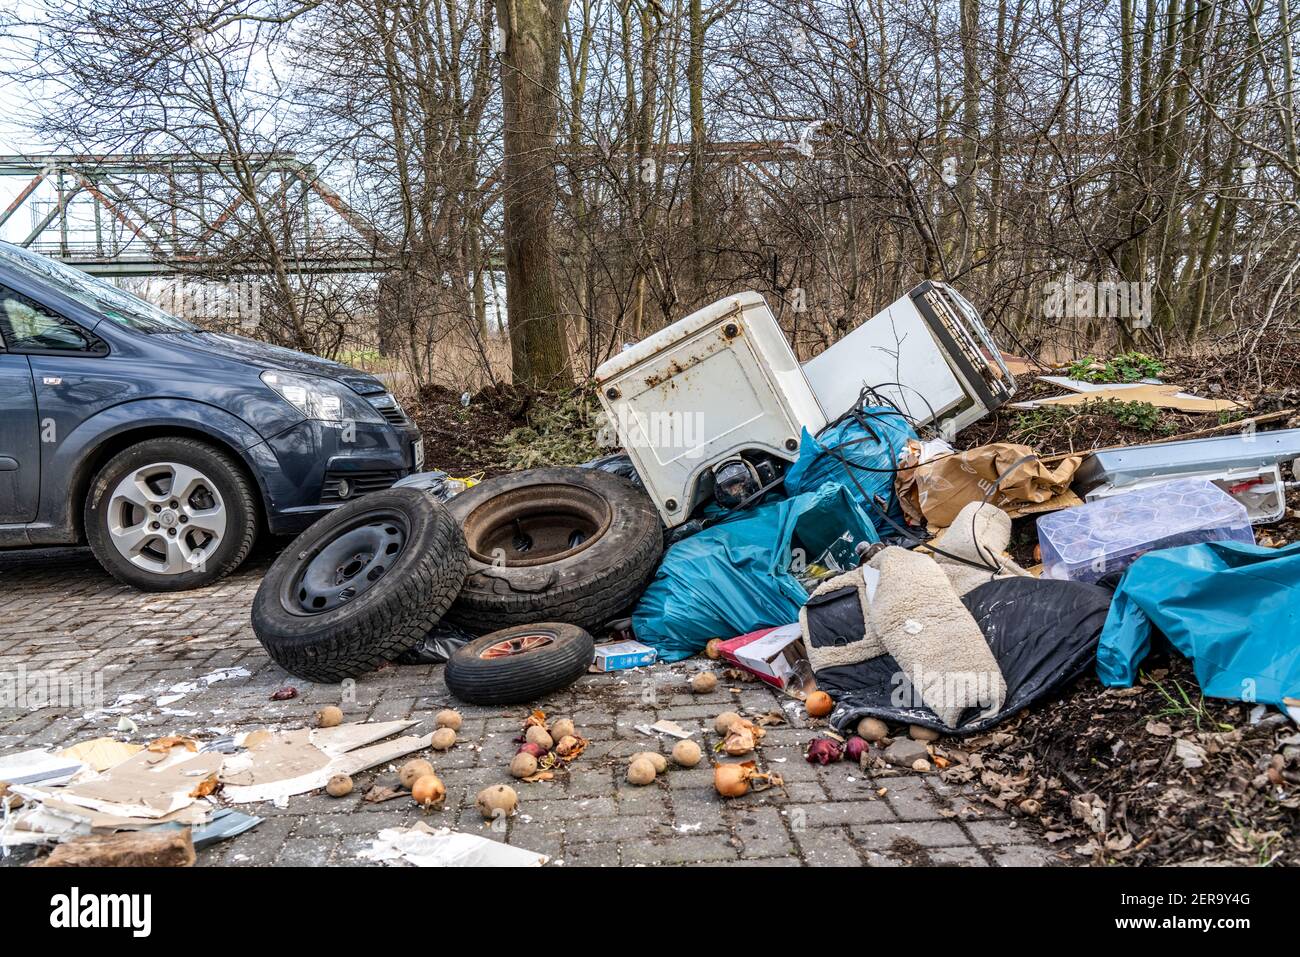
775, 655
623, 654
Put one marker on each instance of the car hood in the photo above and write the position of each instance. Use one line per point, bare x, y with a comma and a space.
267, 356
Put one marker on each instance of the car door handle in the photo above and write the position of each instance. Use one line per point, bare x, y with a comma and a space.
8, 464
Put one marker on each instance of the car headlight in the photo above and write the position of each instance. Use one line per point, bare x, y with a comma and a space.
321, 399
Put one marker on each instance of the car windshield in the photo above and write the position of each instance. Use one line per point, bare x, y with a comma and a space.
116, 305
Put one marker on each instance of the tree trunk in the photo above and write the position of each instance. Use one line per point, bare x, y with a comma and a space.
695, 85
530, 72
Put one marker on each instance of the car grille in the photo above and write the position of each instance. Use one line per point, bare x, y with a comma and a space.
361, 482
389, 408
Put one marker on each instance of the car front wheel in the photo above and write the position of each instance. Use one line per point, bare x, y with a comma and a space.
170, 514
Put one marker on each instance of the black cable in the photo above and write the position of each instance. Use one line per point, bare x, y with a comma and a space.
860, 415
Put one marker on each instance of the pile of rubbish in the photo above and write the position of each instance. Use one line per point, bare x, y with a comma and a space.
815, 527
820, 525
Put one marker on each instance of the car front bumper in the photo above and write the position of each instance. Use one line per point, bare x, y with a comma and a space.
312, 467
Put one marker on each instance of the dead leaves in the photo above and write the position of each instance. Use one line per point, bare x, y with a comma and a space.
380, 793
742, 738
164, 745
205, 787
1122, 775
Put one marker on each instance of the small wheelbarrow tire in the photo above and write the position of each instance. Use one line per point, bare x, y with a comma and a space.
386, 619
475, 677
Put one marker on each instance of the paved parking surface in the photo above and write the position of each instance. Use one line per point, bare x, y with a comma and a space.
62, 616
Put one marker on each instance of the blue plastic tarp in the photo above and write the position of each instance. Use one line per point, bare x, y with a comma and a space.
1234, 609
871, 446
734, 577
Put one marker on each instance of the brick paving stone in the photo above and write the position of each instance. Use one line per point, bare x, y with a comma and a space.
591, 855
923, 833
680, 850
61, 614
1023, 855
826, 847
1000, 832
958, 856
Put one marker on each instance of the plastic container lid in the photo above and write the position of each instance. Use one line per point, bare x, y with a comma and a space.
1106, 535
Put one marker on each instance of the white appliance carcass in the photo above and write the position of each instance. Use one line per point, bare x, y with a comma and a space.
927, 352
720, 382
722, 388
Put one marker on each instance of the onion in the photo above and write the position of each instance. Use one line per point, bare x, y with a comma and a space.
855, 748
732, 780
819, 704
714, 648
735, 780
536, 750
740, 740
824, 751
428, 791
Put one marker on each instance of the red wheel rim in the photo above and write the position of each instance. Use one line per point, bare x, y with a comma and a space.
518, 645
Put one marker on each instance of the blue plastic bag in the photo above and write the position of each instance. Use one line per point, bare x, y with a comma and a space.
1234, 609
871, 446
734, 577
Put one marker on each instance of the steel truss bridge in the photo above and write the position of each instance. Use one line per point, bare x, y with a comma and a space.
178, 214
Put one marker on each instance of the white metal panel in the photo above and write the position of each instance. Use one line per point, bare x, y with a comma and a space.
893, 346
697, 393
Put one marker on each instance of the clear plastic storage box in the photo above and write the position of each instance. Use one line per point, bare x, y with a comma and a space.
1109, 534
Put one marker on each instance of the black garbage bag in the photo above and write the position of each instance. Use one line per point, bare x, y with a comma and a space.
437, 646
620, 463
1043, 633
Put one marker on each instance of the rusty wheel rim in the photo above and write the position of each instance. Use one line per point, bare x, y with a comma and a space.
536, 525
516, 645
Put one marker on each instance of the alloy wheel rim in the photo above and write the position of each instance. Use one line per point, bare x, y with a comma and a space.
166, 518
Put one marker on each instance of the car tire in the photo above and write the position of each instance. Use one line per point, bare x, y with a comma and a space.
147, 539
530, 661
593, 540
361, 586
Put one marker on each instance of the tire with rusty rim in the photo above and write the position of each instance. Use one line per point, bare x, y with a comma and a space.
361, 586
555, 544
517, 665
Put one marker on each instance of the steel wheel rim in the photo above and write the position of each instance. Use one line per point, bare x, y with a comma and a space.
166, 518
551, 521
348, 565
516, 645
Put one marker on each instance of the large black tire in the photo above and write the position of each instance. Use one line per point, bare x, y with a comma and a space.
235, 494
561, 656
394, 605
586, 584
